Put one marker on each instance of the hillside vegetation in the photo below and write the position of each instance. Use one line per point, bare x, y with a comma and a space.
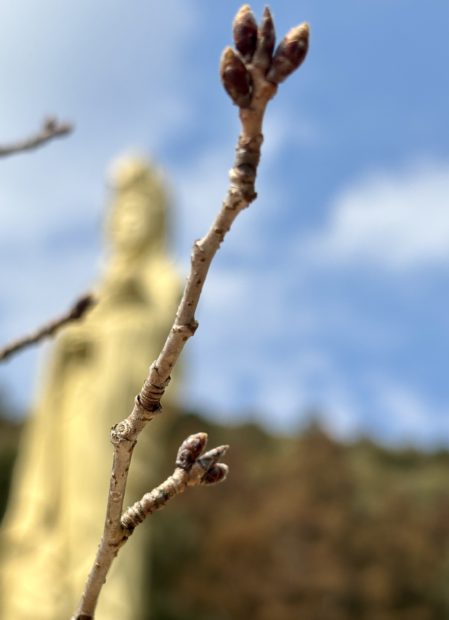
305, 527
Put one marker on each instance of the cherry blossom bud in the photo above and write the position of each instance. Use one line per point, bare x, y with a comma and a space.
236, 78
244, 29
217, 473
290, 53
190, 450
210, 458
266, 38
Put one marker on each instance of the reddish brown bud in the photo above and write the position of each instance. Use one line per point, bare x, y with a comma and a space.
190, 450
236, 78
244, 29
217, 473
266, 39
210, 458
290, 54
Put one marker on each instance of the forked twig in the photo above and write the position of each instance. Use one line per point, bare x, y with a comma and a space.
192, 469
51, 129
250, 76
76, 312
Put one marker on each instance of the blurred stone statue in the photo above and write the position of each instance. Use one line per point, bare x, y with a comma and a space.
58, 500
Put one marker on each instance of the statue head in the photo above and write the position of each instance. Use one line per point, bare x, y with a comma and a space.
137, 222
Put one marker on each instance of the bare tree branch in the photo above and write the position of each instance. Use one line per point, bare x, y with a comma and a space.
250, 77
76, 312
51, 129
192, 469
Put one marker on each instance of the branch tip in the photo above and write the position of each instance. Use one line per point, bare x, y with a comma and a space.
190, 450
266, 39
76, 312
51, 128
82, 305
244, 29
51, 125
290, 53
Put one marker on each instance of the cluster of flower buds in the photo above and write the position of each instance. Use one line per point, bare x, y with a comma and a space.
203, 468
255, 48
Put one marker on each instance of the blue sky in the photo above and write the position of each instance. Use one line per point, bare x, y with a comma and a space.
330, 293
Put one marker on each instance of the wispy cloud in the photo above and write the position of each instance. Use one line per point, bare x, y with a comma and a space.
396, 219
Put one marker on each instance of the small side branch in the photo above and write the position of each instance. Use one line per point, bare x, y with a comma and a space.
52, 128
192, 469
76, 312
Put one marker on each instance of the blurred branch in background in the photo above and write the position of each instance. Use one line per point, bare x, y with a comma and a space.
52, 128
76, 312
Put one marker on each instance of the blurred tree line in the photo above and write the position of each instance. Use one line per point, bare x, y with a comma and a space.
305, 527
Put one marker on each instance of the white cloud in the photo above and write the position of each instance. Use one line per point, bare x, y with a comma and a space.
394, 219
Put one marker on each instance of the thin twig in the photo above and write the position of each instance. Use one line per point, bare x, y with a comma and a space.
76, 312
192, 469
250, 77
51, 129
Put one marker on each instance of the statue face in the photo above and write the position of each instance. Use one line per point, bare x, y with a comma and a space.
137, 217
130, 226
